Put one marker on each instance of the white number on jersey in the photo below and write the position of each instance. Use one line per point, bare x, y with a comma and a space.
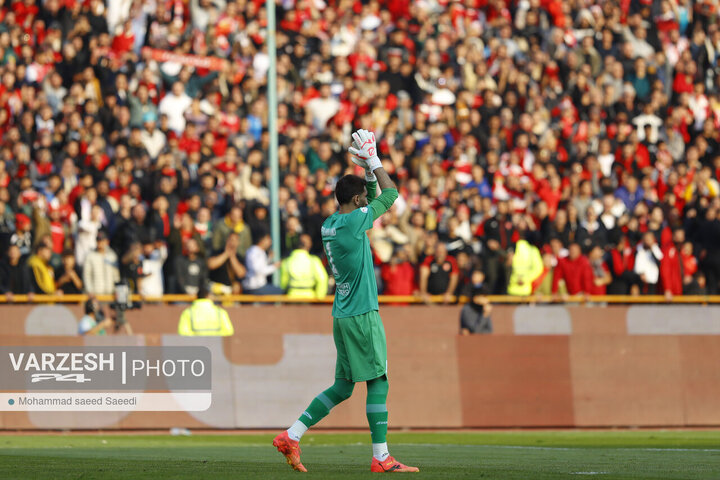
330, 259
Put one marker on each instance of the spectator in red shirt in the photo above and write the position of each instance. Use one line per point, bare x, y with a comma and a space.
693, 279
575, 271
57, 231
550, 192
190, 140
622, 267
123, 42
683, 82
689, 262
399, 275
671, 268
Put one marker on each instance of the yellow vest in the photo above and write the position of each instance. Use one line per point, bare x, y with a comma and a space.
527, 265
303, 275
203, 317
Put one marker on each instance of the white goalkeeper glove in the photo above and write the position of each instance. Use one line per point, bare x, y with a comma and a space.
364, 148
369, 175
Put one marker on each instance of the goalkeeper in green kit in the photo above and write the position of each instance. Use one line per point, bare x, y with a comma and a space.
357, 329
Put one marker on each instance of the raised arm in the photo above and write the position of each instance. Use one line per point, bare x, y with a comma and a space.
388, 195
364, 154
218, 260
384, 180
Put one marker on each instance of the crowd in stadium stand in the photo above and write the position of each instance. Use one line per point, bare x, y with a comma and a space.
539, 146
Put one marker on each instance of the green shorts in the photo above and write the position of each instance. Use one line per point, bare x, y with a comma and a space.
361, 347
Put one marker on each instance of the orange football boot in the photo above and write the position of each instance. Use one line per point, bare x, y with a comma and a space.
390, 465
291, 449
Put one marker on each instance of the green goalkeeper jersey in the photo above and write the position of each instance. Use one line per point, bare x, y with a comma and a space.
347, 248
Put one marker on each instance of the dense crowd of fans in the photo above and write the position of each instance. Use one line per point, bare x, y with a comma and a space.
543, 146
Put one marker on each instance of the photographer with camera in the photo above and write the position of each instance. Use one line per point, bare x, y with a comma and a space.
94, 322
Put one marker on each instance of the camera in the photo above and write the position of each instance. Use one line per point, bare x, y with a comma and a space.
123, 299
123, 302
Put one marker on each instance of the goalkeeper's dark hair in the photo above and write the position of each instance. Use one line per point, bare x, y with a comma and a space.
347, 187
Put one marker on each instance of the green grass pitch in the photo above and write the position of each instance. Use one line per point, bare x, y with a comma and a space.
459, 455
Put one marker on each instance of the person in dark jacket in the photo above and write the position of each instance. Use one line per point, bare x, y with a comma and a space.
68, 277
14, 273
475, 315
498, 233
191, 268
708, 235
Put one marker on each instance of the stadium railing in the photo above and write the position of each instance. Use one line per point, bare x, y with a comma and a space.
384, 299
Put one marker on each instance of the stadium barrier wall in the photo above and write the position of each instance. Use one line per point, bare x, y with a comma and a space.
544, 366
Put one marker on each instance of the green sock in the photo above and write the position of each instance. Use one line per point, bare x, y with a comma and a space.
323, 403
377, 414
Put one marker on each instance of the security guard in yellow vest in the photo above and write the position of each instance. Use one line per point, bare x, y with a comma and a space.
302, 274
527, 265
203, 317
